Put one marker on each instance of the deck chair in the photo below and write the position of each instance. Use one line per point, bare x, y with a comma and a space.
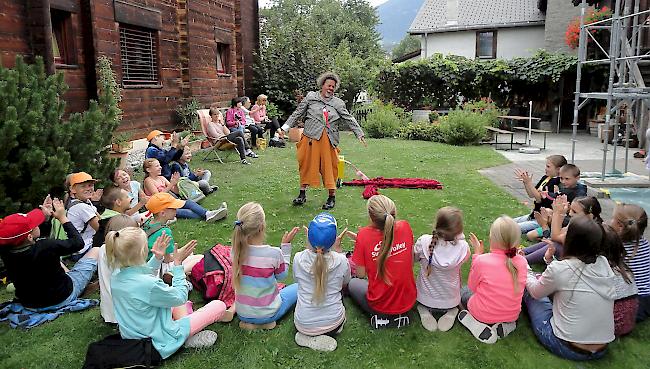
217, 145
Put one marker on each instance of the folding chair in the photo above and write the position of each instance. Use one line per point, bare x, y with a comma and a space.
216, 144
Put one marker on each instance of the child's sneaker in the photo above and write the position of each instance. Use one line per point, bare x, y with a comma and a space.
504, 329
245, 162
202, 339
318, 343
428, 320
481, 331
447, 320
214, 215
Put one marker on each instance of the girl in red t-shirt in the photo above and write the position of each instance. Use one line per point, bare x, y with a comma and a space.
383, 252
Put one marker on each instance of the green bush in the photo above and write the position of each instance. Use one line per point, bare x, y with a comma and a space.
420, 131
463, 127
383, 121
488, 108
434, 116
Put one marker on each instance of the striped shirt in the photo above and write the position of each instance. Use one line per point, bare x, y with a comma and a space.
640, 264
258, 296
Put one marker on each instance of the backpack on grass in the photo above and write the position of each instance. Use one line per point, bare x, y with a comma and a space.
189, 190
212, 276
117, 352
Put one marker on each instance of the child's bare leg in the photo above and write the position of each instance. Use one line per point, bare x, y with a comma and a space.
65, 268
190, 262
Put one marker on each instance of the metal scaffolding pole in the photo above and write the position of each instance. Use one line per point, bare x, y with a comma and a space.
613, 53
582, 46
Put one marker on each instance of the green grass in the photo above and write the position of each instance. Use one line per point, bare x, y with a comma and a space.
272, 181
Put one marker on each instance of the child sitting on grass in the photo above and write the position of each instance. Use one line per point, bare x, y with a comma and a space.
495, 284
155, 183
200, 176
630, 222
116, 201
34, 264
137, 197
321, 275
143, 303
540, 192
383, 251
256, 268
81, 212
441, 255
104, 271
579, 322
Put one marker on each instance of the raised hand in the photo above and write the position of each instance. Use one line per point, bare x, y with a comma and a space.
288, 236
175, 178
337, 243
476, 244
185, 141
181, 254
561, 205
550, 251
160, 245
59, 211
523, 175
46, 208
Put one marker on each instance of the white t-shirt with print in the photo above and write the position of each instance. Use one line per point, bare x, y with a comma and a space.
79, 215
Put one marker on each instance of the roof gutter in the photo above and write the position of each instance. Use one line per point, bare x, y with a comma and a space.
476, 27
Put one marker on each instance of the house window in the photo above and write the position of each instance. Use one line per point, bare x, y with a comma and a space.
486, 44
223, 51
139, 52
62, 40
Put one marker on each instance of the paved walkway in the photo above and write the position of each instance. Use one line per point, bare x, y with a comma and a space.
588, 157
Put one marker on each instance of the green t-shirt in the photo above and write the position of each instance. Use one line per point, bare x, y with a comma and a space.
151, 223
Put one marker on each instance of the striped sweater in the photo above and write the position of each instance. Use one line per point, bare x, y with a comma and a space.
258, 295
640, 264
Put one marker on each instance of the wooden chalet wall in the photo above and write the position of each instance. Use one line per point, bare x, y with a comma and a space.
187, 32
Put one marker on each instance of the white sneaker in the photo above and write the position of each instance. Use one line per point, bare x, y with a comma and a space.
214, 215
318, 343
171, 221
224, 205
202, 339
427, 319
447, 321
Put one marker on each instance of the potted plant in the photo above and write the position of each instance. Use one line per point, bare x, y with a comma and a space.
572, 34
121, 143
189, 116
422, 114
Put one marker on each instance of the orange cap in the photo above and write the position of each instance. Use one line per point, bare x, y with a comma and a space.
161, 201
153, 134
80, 177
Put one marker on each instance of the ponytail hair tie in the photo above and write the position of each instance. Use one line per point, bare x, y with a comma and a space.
238, 223
117, 233
319, 250
511, 252
631, 222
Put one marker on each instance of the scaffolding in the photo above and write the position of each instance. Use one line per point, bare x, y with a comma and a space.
626, 87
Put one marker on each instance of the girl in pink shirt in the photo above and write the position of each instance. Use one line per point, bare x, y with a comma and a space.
496, 283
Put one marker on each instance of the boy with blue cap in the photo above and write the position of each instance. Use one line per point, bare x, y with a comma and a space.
320, 275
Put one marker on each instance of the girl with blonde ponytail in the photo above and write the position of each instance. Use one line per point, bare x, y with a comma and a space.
441, 255
320, 274
495, 286
143, 303
256, 268
383, 252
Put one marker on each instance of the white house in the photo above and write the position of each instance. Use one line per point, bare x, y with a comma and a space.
483, 29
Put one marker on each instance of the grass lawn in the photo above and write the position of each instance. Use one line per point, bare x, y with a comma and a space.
272, 181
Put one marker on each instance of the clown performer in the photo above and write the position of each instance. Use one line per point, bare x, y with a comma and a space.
317, 152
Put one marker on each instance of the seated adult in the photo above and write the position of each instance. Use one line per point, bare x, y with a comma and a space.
258, 114
257, 131
235, 116
164, 156
217, 130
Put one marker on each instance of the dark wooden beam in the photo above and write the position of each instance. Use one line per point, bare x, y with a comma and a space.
137, 15
71, 6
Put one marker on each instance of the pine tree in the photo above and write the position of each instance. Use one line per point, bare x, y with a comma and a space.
38, 147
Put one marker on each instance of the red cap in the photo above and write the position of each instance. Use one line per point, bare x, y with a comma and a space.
15, 227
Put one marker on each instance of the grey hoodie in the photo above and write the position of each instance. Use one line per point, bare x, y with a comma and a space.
314, 319
583, 299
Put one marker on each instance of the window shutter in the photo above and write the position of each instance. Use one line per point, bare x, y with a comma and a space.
138, 48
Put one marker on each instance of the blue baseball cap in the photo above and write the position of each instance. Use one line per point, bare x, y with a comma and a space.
322, 231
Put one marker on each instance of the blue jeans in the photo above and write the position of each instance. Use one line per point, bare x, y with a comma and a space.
526, 224
289, 296
191, 210
540, 313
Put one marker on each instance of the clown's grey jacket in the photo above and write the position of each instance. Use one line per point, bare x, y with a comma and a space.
310, 110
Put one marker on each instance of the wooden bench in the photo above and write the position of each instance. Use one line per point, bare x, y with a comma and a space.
533, 130
496, 132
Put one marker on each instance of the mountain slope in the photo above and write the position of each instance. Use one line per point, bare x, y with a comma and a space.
395, 17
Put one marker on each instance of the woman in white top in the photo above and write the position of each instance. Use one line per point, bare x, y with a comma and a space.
581, 314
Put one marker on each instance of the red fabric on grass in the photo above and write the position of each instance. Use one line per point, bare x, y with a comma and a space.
372, 185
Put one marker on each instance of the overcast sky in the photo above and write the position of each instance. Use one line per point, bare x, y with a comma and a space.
264, 3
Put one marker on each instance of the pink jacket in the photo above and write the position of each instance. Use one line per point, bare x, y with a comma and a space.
494, 299
260, 114
231, 118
